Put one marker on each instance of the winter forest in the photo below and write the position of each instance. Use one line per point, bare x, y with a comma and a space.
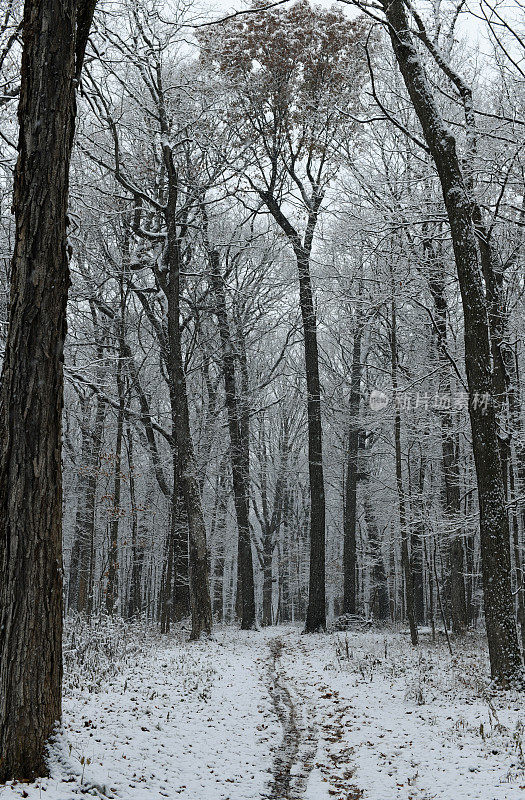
262, 405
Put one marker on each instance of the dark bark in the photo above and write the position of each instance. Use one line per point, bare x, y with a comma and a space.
518, 565
181, 600
199, 589
403, 526
316, 612
31, 396
87, 539
112, 586
139, 533
285, 564
239, 448
80, 589
505, 659
166, 584
350, 509
302, 247
218, 534
271, 526
416, 545
85, 449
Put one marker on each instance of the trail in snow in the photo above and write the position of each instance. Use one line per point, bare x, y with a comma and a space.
273, 715
293, 761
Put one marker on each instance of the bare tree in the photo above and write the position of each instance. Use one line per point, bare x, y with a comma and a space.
506, 665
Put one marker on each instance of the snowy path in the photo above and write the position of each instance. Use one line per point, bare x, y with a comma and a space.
294, 759
274, 715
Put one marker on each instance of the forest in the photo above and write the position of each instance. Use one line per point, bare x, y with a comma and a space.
262, 405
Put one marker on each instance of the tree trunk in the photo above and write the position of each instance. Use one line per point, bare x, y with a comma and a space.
267, 589
139, 534
350, 511
32, 390
83, 473
504, 652
518, 566
87, 540
81, 569
405, 556
238, 445
316, 612
112, 585
180, 600
200, 601
166, 583
219, 530
380, 606
416, 547
450, 451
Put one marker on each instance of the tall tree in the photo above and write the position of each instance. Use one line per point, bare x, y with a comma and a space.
505, 658
284, 115
54, 40
350, 506
239, 444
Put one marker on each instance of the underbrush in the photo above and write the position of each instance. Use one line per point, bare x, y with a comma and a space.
430, 670
98, 648
456, 689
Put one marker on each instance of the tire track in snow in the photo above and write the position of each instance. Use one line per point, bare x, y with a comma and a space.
294, 760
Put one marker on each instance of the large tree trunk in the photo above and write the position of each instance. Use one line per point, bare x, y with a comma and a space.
181, 601
32, 390
316, 612
87, 539
350, 511
139, 535
505, 659
80, 589
417, 536
166, 582
200, 602
238, 447
218, 549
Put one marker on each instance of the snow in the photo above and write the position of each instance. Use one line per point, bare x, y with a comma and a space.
355, 715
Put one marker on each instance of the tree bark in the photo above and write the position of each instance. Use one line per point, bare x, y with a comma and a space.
139, 532
219, 530
416, 543
199, 589
302, 247
83, 473
31, 396
112, 594
238, 446
316, 612
350, 511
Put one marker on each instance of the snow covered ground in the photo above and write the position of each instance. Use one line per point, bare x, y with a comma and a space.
273, 714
